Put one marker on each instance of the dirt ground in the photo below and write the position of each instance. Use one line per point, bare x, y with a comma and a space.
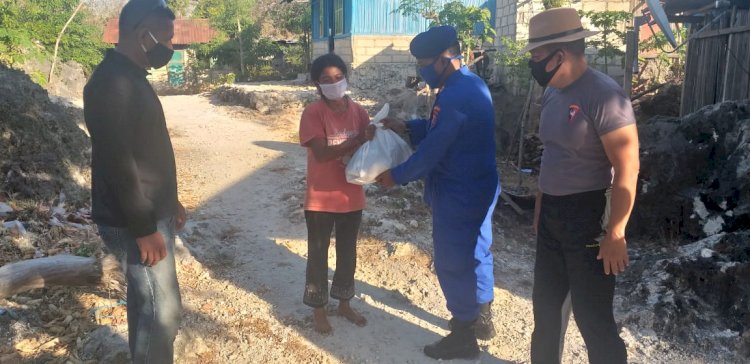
241, 266
242, 176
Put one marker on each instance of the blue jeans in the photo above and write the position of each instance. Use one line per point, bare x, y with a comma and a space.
154, 305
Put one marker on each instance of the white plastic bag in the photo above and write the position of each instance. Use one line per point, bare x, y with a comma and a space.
385, 151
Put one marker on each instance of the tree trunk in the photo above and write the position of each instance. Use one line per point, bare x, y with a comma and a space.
242, 53
306, 47
59, 270
59, 37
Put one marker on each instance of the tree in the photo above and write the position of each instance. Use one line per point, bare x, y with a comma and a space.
472, 23
549, 4
427, 9
57, 42
30, 29
241, 44
612, 36
295, 18
223, 14
230, 17
16, 42
181, 8
666, 65
514, 60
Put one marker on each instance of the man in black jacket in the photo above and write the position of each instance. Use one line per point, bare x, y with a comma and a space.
134, 182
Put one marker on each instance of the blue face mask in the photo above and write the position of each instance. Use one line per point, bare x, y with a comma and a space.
430, 76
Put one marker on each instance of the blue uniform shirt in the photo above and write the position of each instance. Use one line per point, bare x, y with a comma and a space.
455, 149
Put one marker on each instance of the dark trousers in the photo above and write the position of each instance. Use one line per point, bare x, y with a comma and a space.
320, 225
570, 229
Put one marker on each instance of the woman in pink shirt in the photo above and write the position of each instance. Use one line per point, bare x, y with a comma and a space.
332, 129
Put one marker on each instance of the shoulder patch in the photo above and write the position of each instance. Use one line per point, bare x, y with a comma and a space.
434, 116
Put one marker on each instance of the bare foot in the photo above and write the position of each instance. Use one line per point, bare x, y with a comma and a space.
320, 319
346, 310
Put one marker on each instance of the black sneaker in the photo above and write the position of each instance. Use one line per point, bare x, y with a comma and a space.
484, 328
461, 343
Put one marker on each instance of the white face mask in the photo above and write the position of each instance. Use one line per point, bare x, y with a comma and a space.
334, 91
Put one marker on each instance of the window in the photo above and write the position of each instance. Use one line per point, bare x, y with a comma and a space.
338, 16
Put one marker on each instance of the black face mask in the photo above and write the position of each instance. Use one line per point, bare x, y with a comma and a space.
539, 70
158, 56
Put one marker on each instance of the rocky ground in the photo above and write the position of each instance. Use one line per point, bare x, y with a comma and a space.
241, 262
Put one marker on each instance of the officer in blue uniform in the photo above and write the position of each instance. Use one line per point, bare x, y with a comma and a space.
455, 156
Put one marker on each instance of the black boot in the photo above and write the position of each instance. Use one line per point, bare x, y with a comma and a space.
461, 343
484, 327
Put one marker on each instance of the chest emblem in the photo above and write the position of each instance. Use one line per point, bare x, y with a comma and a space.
573, 111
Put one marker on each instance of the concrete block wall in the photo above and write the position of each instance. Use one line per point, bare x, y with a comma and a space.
319, 48
343, 47
505, 19
382, 49
524, 12
377, 63
381, 62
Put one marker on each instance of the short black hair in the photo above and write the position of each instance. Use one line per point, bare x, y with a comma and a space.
136, 11
454, 50
325, 61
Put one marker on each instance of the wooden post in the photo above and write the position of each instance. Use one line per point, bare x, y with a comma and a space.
242, 53
631, 57
729, 59
522, 131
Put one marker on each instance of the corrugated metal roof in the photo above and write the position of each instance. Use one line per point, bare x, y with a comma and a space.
186, 31
382, 16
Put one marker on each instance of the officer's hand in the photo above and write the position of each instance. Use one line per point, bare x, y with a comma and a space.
613, 252
386, 179
399, 126
153, 249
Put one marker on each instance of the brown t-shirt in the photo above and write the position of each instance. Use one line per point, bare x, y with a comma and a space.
327, 188
572, 123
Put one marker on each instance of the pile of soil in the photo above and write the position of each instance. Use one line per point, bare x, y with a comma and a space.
42, 149
666, 102
694, 188
700, 297
695, 174
44, 179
